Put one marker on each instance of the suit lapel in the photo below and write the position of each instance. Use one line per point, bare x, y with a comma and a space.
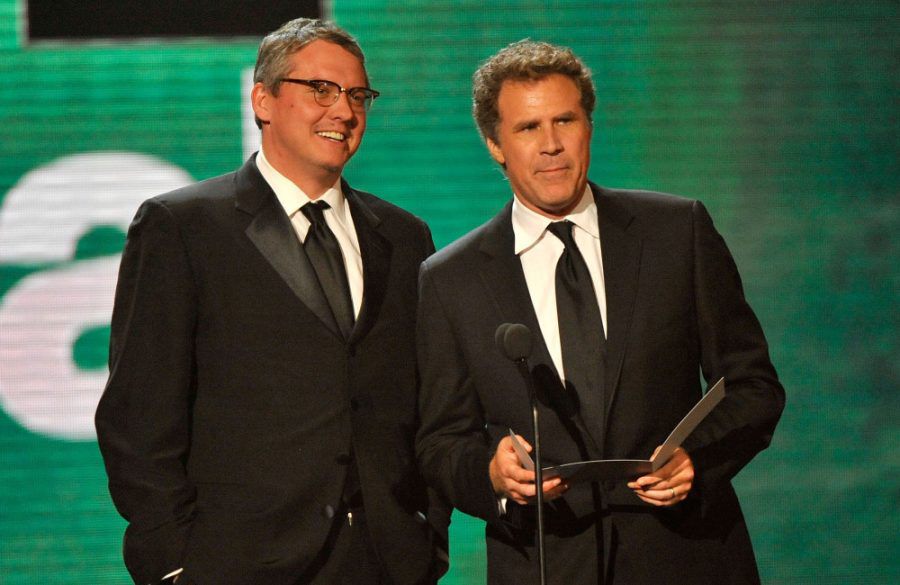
376, 253
271, 232
504, 280
621, 265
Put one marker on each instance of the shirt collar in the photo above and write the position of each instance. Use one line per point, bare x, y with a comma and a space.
292, 197
530, 226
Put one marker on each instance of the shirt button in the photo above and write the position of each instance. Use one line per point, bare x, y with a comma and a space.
328, 511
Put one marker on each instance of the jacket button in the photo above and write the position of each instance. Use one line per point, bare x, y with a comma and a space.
328, 511
343, 458
354, 404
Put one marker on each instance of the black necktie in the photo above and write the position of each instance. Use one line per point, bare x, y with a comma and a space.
580, 330
324, 254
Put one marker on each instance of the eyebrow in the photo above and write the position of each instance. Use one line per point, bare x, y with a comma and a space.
532, 122
525, 124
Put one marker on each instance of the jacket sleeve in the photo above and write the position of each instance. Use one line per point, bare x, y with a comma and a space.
143, 417
733, 346
439, 509
451, 444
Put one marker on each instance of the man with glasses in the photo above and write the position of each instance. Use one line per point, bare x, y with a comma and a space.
257, 426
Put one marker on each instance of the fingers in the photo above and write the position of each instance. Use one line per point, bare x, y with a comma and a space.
522, 440
554, 488
507, 475
513, 481
524, 493
669, 485
663, 497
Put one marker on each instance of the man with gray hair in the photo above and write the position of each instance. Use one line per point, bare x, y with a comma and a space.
629, 296
259, 418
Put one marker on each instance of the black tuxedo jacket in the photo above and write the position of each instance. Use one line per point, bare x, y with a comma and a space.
675, 308
233, 402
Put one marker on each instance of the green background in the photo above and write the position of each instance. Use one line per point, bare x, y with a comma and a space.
781, 116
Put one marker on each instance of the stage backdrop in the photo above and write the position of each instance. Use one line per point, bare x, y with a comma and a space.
780, 116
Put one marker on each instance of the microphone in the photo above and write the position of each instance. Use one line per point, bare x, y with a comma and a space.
514, 341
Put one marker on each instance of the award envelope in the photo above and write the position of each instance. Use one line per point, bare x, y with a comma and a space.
602, 469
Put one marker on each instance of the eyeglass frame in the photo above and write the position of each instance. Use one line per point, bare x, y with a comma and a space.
370, 93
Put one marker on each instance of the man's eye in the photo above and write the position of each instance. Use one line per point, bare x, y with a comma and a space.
322, 89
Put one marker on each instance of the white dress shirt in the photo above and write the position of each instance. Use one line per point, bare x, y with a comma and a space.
338, 218
539, 252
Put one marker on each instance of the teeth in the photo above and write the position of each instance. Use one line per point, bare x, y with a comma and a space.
332, 135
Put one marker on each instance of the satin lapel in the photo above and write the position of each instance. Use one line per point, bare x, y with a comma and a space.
376, 253
271, 232
621, 265
504, 280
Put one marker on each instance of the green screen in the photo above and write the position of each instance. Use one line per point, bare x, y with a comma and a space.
780, 116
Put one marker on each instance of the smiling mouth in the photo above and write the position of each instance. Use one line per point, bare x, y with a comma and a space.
331, 135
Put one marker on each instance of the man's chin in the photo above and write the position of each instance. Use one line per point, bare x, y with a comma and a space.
337, 161
333, 167
562, 206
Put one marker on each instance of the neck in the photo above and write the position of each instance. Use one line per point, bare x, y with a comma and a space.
556, 213
313, 182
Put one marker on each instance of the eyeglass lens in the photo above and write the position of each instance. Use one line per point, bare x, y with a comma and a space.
328, 93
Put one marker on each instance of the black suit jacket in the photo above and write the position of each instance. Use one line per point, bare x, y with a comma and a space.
675, 307
233, 402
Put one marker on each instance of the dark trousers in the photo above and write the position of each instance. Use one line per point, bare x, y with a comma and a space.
348, 557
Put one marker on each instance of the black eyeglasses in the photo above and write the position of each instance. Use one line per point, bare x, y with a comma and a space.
327, 93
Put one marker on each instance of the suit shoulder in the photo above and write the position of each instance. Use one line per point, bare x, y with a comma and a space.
210, 191
386, 210
461, 252
651, 213
185, 205
646, 201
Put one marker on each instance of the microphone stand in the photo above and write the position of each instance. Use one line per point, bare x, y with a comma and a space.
522, 364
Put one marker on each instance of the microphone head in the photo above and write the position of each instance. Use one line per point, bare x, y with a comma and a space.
514, 340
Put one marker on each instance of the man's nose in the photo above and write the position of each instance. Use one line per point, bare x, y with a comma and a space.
552, 144
341, 108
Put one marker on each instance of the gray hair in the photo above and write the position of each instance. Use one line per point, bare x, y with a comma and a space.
520, 61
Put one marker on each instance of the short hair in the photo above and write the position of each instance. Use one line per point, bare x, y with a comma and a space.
273, 61
521, 61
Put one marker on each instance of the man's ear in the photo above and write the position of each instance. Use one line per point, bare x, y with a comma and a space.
496, 152
260, 99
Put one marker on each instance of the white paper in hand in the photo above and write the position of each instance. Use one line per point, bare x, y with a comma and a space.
602, 469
